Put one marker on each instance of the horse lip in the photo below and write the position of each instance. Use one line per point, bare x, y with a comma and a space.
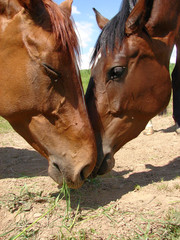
99, 162
58, 175
106, 165
106, 157
55, 175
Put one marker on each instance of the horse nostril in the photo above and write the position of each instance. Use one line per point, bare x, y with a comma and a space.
82, 175
55, 164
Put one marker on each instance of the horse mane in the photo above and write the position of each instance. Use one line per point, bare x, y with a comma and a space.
114, 30
61, 25
63, 28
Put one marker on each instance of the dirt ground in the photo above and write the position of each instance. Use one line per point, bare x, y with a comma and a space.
143, 188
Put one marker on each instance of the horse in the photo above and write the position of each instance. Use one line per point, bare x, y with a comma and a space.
130, 81
41, 91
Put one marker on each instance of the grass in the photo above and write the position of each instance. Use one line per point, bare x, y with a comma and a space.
19, 204
171, 67
5, 127
165, 229
27, 196
162, 229
85, 75
137, 187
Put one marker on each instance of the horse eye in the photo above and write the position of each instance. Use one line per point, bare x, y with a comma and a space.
53, 74
116, 73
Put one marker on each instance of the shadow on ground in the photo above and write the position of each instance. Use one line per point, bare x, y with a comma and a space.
17, 163
113, 186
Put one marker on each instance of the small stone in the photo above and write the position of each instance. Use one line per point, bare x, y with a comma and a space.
111, 211
37, 215
18, 218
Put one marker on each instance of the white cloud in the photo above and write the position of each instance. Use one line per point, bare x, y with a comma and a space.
85, 32
173, 55
85, 59
75, 10
92, 17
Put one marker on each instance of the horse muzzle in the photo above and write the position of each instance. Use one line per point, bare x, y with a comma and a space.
73, 176
105, 165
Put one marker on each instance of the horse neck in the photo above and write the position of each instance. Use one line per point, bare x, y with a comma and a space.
164, 19
164, 24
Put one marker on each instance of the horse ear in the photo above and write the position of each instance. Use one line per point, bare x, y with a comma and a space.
66, 6
32, 5
101, 21
35, 8
139, 16
24, 3
9, 8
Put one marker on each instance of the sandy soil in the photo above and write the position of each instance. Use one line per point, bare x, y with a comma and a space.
143, 187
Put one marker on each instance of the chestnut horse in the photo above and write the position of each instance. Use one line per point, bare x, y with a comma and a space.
130, 81
40, 86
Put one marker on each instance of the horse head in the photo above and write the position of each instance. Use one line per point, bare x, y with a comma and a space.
41, 92
130, 80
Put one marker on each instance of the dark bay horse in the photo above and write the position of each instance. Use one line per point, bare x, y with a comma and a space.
130, 81
40, 86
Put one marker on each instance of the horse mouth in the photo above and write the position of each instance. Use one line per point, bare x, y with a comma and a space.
55, 173
105, 167
60, 177
107, 164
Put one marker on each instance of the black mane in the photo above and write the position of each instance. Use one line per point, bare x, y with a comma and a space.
114, 29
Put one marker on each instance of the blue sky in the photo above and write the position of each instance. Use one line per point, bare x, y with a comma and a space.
86, 25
